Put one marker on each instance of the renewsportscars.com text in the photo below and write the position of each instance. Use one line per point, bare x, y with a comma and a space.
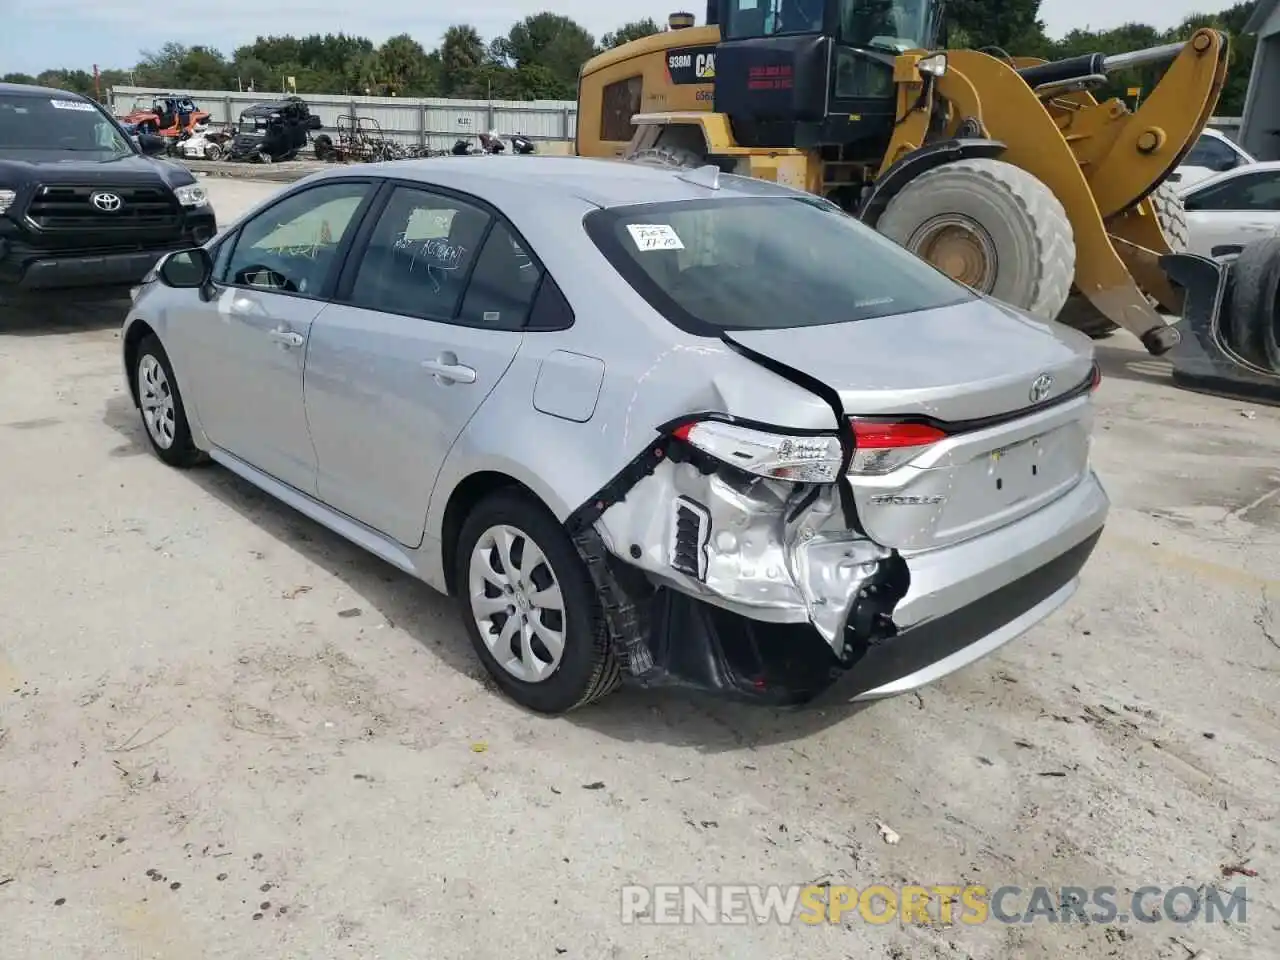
940, 904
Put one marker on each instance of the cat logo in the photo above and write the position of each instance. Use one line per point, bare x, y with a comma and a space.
705, 66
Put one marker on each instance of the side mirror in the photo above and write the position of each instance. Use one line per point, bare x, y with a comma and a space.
186, 269
152, 145
313, 123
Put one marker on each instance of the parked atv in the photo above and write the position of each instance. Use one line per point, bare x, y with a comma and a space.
273, 132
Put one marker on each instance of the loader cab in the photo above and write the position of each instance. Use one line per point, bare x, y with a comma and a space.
810, 72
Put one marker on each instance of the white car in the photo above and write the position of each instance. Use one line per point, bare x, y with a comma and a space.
1213, 153
1233, 208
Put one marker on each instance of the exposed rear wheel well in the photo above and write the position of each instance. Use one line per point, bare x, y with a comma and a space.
461, 502
137, 333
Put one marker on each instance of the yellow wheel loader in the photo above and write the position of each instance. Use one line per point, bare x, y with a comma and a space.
1004, 172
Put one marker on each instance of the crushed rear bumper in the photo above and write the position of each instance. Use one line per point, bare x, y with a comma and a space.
963, 602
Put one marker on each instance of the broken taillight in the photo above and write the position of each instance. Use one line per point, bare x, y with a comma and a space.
1096, 378
881, 446
798, 458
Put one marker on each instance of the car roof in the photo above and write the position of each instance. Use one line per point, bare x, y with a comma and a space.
32, 90
604, 183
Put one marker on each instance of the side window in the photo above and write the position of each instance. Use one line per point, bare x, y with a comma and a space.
551, 309
620, 102
1256, 192
222, 258
1212, 153
419, 255
291, 247
502, 285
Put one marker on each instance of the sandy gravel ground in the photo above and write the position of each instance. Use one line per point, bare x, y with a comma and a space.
226, 733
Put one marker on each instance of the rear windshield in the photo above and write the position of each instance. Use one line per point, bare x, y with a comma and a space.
58, 124
764, 263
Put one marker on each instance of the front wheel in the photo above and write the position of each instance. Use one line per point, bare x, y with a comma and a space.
530, 608
991, 226
164, 418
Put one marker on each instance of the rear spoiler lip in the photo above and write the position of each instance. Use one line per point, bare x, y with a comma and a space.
955, 427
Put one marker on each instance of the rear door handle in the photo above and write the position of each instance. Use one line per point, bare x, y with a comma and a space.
288, 338
446, 368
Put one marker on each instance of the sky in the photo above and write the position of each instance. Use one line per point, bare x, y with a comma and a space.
40, 34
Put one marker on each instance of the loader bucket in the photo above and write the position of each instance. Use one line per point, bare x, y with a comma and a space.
1206, 360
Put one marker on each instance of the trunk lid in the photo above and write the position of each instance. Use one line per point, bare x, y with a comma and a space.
978, 370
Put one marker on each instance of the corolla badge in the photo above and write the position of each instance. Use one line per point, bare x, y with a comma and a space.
106, 202
1040, 387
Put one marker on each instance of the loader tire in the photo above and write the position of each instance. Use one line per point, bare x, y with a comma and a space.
1081, 314
1172, 216
1006, 234
667, 156
1255, 298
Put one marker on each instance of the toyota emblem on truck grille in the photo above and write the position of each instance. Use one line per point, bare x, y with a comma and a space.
106, 202
1040, 387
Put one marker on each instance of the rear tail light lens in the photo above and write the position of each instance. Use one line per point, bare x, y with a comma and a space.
1096, 380
881, 447
778, 456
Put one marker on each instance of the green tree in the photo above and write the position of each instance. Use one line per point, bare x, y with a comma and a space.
462, 54
402, 67
549, 40
630, 31
1013, 25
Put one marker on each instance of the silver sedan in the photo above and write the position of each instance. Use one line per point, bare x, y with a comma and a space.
673, 427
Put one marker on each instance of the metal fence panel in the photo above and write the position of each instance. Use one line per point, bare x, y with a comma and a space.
434, 121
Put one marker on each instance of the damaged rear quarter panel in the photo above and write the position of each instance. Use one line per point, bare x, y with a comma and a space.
654, 373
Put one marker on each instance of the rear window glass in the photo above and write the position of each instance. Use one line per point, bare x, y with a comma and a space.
764, 263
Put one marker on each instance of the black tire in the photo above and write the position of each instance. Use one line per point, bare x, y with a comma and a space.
664, 155
324, 147
1021, 225
588, 669
1172, 217
181, 450
1255, 300
213, 152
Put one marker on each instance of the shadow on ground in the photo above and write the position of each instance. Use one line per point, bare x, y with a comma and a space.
674, 717
38, 319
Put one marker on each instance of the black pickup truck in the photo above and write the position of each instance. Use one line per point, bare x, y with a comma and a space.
85, 208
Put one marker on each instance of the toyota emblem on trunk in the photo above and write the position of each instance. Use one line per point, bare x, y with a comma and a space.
1040, 387
106, 202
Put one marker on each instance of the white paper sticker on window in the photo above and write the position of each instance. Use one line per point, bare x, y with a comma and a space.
746, 4
654, 236
74, 105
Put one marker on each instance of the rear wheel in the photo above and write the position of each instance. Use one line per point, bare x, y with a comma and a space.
213, 151
530, 607
992, 226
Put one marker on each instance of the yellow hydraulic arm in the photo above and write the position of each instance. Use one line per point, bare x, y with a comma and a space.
1101, 160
